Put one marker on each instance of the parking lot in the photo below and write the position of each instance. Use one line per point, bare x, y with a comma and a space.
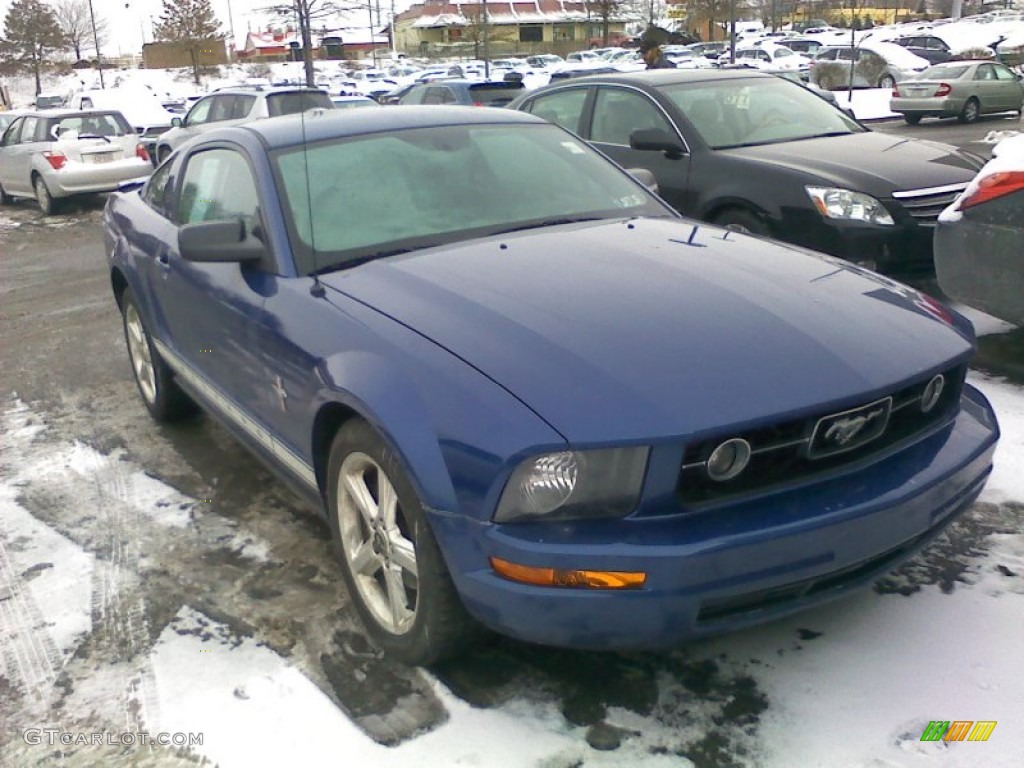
158, 581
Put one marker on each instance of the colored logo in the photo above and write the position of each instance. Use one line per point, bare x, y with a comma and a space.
958, 730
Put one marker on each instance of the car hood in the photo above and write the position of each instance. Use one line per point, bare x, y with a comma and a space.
636, 330
883, 164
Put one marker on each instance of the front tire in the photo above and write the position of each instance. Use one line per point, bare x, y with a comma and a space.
971, 111
5, 199
390, 560
47, 204
742, 220
161, 395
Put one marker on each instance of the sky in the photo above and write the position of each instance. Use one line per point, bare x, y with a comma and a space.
129, 21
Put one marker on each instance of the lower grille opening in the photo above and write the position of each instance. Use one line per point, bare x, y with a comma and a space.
752, 602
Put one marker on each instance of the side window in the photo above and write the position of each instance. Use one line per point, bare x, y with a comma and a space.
222, 106
155, 191
415, 95
13, 132
28, 130
1002, 73
985, 72
617, 113
218, 184
200, 113
562, 108
434, 95
243, 105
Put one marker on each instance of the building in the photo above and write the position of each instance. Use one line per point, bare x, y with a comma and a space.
557, 26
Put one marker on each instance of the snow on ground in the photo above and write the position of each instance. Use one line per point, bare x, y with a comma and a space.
867, 103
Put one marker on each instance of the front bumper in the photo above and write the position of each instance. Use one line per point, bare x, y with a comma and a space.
731, 567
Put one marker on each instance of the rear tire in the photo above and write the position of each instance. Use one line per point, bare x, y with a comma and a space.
742, 220
886, 81
161, 395
971, 111
395, 573
912, 119
47, 204
5, 199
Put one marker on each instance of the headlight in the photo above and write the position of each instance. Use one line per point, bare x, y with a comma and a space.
580, 484
835, 203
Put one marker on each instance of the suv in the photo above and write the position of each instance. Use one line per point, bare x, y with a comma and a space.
484, 93
927, 47
231, 106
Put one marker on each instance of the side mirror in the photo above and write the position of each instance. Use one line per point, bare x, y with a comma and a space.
657, 140
223, 242
645, 177
175, 122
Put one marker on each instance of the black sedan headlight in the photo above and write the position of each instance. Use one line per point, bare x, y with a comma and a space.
574, 484
835, 203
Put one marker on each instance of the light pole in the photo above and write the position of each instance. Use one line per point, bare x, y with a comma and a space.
96, 42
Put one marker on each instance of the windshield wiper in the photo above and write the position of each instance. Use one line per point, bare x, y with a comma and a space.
357, 260
553, 222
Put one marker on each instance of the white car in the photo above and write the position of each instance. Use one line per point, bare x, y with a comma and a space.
772, 57
140, 107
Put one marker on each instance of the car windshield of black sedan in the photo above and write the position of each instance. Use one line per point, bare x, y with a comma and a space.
745, 112
356, 198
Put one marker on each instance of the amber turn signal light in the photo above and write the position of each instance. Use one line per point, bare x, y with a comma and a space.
553, 577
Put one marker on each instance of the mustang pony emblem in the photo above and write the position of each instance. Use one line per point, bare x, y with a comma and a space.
844, 430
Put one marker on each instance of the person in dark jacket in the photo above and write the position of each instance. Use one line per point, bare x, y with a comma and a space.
652, 55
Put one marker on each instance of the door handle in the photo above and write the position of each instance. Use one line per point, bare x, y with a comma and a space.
162, 257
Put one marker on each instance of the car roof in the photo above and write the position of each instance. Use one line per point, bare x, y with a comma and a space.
267, 89
62, 113
321, 124
658, 77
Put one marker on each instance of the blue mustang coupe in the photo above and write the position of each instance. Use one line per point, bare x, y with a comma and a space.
529, 396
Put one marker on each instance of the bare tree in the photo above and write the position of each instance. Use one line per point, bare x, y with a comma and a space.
191, 23
304, 13
605, 10
74, 21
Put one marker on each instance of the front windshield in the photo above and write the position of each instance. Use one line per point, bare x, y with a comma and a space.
351, 199
749, 111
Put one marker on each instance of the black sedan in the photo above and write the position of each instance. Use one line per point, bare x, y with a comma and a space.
756, 153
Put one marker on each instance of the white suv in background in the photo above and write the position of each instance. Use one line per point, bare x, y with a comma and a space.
230, 106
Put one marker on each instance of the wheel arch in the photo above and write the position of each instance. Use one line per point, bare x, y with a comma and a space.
720, 206
366, 385
118, 284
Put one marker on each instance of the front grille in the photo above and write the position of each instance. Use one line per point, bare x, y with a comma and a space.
781, 454
926, 204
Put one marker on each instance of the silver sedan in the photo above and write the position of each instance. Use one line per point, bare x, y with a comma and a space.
961, 89
55, 154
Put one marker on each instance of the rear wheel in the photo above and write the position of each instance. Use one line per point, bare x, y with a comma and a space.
47, 204
390, 560
742, 220
161, 395
827, 82
886, 81
971, 110
912, 119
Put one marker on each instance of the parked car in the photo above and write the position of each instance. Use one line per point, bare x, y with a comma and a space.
54, 154
140, 107
477, 93
961, 89
544, 61
49, 101
804, 45
710, 50
238, 105
753, 152
771, 57
353, 102
583, 56
979, 259
929, 47
878, 65
538, 399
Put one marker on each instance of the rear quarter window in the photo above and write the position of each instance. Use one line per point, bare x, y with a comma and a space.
494, 95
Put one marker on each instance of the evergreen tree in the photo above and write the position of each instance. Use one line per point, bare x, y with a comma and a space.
30, 32
190, 22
